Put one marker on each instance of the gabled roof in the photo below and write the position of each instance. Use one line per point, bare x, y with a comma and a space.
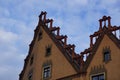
60, 46
104, 31
66, 49
76, 60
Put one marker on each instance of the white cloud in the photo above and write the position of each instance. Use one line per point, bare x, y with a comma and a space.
15, 38
77, 19
7, 37
12, 57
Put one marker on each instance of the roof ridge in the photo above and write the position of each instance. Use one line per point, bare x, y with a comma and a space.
79, 58
98, 36
59, 39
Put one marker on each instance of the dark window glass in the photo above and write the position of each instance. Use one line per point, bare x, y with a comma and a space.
46, 72
98, 77
48, 51
30, 76
106, 56
40, 35
101, 77
95, 78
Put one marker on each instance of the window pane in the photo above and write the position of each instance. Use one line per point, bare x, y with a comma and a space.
30, 76
48, 51
95, 78
46, 72
106, 56
98, 77
101, 77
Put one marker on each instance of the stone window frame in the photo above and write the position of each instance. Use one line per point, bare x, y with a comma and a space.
47, 63
98, 74
96, 70
46, 71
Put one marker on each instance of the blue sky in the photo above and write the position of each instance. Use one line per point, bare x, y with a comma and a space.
18, 19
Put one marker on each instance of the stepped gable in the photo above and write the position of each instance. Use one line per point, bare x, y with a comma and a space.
82, 58
68, 50
77, 60
113, 32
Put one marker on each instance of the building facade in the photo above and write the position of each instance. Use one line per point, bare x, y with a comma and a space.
51, 58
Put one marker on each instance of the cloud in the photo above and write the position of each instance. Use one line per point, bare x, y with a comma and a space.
11, 58
7, 37
15, 38
18, 19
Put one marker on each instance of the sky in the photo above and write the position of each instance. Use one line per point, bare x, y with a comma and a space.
76, 18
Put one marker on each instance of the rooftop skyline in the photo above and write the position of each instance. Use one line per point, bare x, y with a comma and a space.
18, 19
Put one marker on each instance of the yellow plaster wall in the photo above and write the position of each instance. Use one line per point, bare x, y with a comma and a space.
60, 66
30, 67
80, 78
113, 66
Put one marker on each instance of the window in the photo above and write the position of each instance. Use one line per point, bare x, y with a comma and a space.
106, 56
30, 75
98, 77
48, 51
40, 35
31, 60
47, 72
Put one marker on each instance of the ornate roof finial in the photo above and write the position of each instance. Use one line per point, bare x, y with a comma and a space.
43, 16
105, 19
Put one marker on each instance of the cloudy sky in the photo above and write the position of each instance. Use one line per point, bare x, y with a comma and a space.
18, 19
